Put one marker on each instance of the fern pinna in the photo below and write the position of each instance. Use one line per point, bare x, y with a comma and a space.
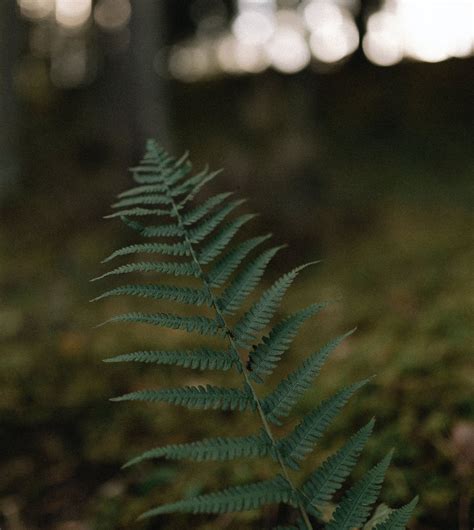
197, 242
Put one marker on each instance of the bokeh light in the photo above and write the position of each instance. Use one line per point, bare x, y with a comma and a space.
424, 30
36, 9
383, 42
73, 13
112, 15
288, 51
253, 26
189, 63
334, 34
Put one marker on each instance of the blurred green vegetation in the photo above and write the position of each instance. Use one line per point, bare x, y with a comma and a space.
405, 280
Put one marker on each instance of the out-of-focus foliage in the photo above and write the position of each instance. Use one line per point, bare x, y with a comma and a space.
405, 284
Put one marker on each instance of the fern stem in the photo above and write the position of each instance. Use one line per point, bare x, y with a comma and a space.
230, 338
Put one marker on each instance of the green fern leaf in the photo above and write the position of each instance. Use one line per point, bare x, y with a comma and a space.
245, 282
185, 295
200, 211
219, 242
329, 477
195, 397
201, 231
199, 324
260, 314
197, 188
200, 359
354, 509
192, 182
204, 236
175, 249
224, 267
281, 400
265, 356
169, 230
138, 212
143, 200
398, 519
147, 188
133, 224
221, 448
173, 268
235, 499
307, 433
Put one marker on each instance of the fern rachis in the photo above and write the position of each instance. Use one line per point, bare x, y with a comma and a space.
201, 237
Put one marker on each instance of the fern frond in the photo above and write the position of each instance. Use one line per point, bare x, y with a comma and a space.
261, 312
191, 182
173, 268
195, 397
354, 509
329, 477
236, 499
279, 403
185, 295
220, 241
156, 170
265, 356
200, 359
193, 191
224, 267
147, 188
307, 433
201, 231
138, 212
227, 275
175, 249
399, 518
199, 324
169, 230
143, 200
200, 211
220, 448
245, 282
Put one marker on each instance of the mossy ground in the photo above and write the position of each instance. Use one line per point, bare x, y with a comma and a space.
406, 282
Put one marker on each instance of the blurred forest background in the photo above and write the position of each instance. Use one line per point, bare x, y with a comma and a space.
348, 124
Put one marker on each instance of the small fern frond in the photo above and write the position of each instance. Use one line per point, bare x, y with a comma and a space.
172, 268
262, 311
236, 499
198, 324
193, 191
199, 179
307, 433
200, 232
138, 212
200, 211
246, 282
217, 449
143, 200
329, 477
354, 509
170, 230
265, 356
220, 241
147, 188
195, 397
175, 249
399, 518
280, 402
185, 295
200, 359
223, 268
